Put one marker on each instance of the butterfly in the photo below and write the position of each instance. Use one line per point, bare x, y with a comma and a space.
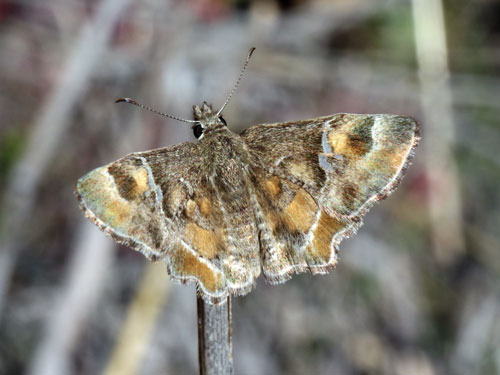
276, 199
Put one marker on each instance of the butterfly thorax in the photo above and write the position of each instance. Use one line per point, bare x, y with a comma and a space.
222, 151
224, 156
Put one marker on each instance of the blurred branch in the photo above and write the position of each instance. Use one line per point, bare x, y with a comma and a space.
53, 120
399, 287
476, 326
354, 71
83, 280
140, 321
445, 206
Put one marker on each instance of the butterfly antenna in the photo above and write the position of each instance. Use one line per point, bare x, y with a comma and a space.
238, 81
131, 101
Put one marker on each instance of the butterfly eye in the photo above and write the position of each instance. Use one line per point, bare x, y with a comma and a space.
197, 131
221, 119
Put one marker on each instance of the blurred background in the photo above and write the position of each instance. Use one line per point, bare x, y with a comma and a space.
416, 290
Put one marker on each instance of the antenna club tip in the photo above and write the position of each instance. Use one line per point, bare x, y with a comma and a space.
250, 52
123, 100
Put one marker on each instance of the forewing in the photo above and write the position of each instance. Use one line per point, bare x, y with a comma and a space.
162, 204
323, 174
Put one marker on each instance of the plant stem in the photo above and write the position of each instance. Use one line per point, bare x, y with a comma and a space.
214, 338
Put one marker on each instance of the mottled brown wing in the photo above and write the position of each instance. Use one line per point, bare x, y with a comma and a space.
315, 179
162, 203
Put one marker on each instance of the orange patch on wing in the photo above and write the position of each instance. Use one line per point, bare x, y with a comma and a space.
393, 158
116, 213
343, 144
205, 206
202, 240
300, 213
190, 265
175, 198
140, 176
339, 142
326, 228
387, 161
272, 186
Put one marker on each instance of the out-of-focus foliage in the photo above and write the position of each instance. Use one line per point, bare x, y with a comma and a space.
404, 299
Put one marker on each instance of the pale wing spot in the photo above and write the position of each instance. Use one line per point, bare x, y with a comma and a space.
152, 184
279, 160
108, 178
190, 208
323, 162
378, 128
324, 141
176, 197
301, 168
327, 150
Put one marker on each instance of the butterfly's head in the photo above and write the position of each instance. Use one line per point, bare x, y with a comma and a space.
206, 120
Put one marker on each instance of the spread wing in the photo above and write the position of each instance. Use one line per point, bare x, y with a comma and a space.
163, 204
315, 179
